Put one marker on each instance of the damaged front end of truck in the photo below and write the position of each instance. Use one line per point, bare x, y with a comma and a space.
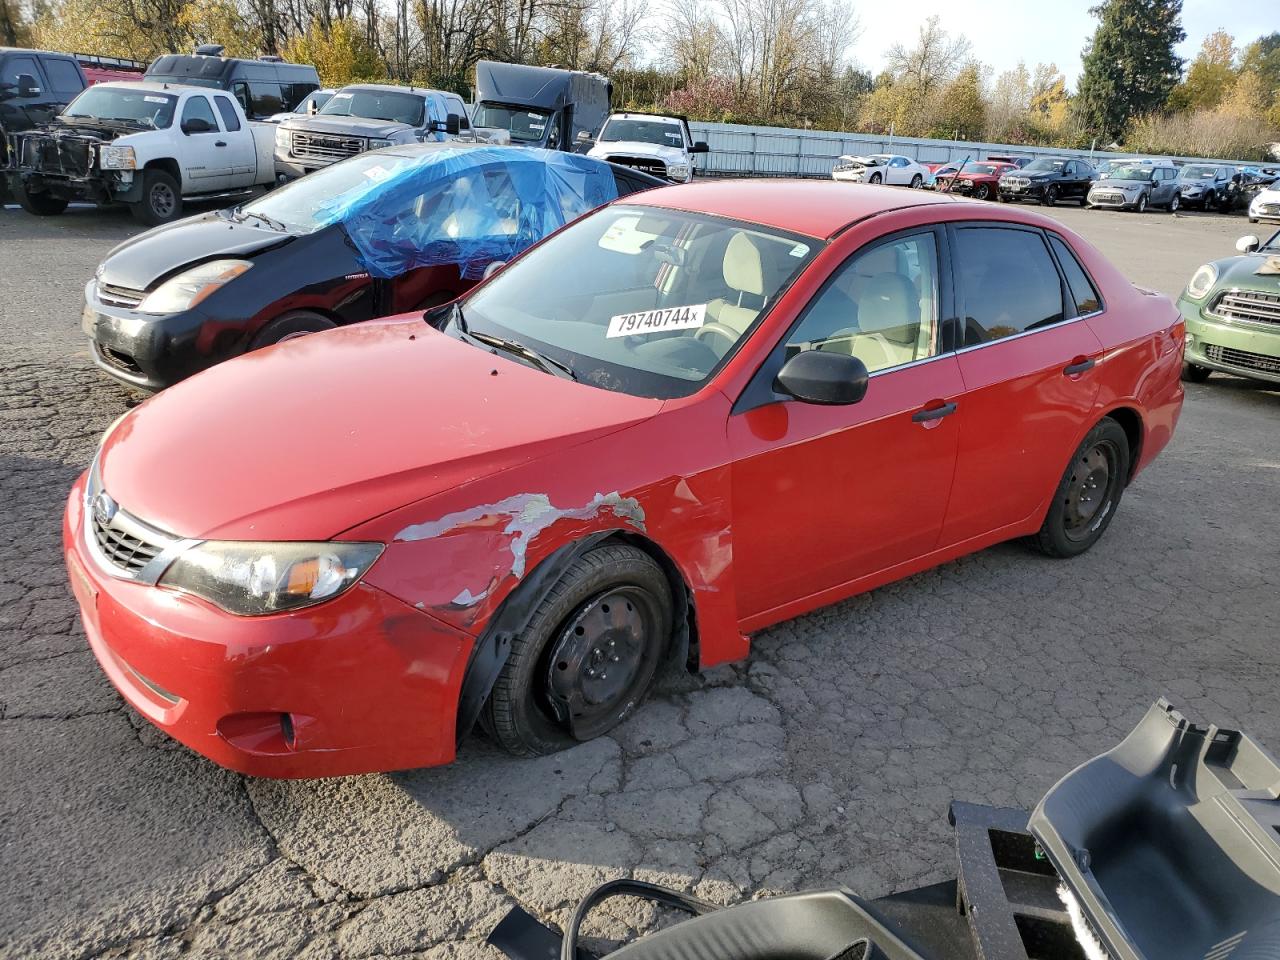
73, 159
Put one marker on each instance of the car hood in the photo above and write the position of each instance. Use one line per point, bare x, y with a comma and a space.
1115, 183
309, 438
637, 148
865, 161
347, 126
1242, 273
141, 261
1268, 195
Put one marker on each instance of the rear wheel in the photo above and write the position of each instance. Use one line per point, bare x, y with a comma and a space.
161, 199
588, 656
1088, 493
289, 327
39, 203
1194, 373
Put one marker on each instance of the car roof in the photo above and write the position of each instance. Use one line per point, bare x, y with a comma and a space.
391, 88
664, 118
157, 86
815, 208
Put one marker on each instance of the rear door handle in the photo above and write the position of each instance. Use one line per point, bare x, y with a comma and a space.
1075, 369
933, 413
220, 143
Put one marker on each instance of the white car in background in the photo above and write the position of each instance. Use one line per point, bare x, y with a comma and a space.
1266, 204
889, 168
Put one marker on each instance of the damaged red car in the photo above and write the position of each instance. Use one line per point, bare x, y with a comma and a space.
689, 415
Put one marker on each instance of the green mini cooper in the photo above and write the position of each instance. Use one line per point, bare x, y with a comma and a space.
1232, 310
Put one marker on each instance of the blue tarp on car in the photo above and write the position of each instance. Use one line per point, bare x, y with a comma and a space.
469, 206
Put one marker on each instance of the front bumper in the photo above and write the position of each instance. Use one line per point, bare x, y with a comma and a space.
1033, 191
1249, 350
1264, 211
290, 169
359, 684
1112, 200
152, 352
109, 186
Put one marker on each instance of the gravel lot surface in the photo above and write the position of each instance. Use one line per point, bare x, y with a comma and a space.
829, 757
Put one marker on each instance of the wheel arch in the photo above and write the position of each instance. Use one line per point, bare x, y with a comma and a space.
1130, 421
167, 165
493, 645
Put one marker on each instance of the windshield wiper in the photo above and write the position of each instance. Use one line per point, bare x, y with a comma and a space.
541, 360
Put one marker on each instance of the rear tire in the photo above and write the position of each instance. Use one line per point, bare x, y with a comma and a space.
41, 204
610, 611
299, 323
1088, 494
161, 199
1194, 373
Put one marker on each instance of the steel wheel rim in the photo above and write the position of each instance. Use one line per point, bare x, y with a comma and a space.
1087, 499
597, 666
162, 199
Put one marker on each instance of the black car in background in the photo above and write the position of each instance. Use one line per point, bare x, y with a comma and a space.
264, 87
1048, 180
382, 233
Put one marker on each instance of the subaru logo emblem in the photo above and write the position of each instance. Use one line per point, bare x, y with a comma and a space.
104, 509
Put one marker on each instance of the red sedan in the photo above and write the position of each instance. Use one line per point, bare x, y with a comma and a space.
685, 417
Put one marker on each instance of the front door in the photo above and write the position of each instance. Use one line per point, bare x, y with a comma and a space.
204, 165
824, 495
1029, 379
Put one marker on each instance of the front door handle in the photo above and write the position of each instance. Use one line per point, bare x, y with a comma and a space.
220, 143
933, 413
1077, 368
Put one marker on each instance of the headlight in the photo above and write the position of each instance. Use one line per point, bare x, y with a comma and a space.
379, 144
1202, 282
284, 138
191, 286
113, 157
252, 579
678, 171
966, 183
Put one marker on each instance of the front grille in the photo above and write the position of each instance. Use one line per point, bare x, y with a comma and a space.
1020, 183
68, 156
644, 164
1249, 305
1270, 209
117, 296
1243, 359
126, 551
319, 146
1107, 199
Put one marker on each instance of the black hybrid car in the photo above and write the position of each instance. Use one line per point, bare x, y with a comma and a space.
385, 232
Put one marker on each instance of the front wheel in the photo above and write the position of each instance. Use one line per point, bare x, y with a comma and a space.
587, 657
917, 182
41, 204
291, 326
161, 199
875, 178
1175, 203
1194, 373
982, 192
1088, 493
1142, 203
1050, 195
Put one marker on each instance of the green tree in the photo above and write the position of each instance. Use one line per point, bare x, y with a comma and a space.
1211, 74
958, 110
341, 54
1129, 66
1263, 58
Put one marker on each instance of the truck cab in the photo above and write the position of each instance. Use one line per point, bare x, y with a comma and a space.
658, 144
367, 116
540, 106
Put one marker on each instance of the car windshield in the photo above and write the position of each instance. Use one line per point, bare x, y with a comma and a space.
1131, 173
1044, 165
147, 109
660, 298
319, 98
1272, 245
978, 168
376, 105
1199, 172
524, 125
643, 131
301, 206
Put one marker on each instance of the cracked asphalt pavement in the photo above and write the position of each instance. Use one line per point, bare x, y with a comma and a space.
829, 757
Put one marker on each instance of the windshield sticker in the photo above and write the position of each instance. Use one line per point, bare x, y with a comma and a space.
799, 250
151, 99
657, 321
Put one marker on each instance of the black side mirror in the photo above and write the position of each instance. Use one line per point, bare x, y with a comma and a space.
818, 376
699, 146
196, 125
27, 85
453, 125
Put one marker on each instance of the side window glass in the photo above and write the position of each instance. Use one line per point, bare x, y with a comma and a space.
230, 121
264, 98
15, 67
1083, 292
240, 90
1007, 283
197, 108
880, 306
63, 76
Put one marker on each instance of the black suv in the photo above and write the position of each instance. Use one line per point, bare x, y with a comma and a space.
1049, 179
264, 87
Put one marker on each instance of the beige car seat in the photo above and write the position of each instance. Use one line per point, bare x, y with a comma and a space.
744, 274
889, 321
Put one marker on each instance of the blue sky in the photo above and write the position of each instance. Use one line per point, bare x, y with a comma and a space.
1037, 31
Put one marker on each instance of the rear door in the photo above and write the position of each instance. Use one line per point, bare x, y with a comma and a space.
237, 145
1027, 361
66, 82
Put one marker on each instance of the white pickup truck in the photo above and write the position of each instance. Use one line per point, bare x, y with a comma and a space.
659, 145
144, 144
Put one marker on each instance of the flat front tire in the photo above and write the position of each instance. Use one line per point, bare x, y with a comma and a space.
588, 656
1088, 493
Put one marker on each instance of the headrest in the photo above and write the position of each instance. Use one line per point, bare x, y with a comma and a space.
887, 301
742, 270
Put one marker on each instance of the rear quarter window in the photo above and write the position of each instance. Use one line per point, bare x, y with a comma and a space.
230, 121
1083, 291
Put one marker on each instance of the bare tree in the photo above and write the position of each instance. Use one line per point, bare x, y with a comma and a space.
935, 59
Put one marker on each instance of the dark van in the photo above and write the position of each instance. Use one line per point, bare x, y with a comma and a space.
264, 87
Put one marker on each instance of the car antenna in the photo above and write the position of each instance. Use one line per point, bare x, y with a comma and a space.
956, 176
